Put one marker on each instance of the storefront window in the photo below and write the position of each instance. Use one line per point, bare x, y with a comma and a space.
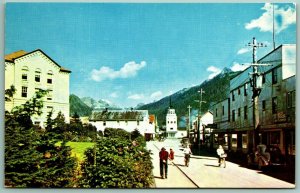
275, 138
244, 140
234, 140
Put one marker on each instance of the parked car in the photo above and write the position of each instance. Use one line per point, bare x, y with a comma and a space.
266, 156
277, 158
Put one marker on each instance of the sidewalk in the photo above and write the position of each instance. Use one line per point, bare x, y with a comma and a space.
206, 173
176, 179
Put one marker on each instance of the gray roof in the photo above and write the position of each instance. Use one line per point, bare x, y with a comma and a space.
118, 115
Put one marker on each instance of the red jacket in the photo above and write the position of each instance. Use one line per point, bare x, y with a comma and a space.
163, 155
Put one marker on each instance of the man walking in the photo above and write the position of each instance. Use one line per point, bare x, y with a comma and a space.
163, 163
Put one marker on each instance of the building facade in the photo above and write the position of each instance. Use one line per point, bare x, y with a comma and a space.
30, 72
127, 120
171, 123
204, 130
275, 109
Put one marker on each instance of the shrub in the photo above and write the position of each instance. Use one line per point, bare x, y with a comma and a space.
117, 162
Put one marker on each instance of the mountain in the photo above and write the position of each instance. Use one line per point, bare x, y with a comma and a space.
99, 105
77, 106
216, 89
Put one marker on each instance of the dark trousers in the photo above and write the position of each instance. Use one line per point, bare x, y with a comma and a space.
163, 168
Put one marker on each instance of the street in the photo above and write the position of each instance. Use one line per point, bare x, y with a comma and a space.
204, 172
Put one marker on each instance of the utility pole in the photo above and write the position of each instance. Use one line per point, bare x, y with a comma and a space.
256, 91
189, 124
201, 91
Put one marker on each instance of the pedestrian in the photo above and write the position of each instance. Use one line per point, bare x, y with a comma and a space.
163, 162
221, 155
187, 154
171, 155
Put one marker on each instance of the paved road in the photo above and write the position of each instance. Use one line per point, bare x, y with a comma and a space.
205, 173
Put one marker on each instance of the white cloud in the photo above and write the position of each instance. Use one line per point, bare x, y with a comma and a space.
215, 71
284, 17
114, 95
244, 50
156, 95
136, 96
129, 69
239, 67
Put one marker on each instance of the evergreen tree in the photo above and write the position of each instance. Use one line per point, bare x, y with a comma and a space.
32, 156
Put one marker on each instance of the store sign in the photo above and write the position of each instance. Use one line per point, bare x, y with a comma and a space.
280, 117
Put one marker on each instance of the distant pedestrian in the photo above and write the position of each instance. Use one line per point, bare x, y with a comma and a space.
171, 155
187, 155
163, 163
222, 155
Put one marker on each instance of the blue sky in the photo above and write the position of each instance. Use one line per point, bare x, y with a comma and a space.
138, 53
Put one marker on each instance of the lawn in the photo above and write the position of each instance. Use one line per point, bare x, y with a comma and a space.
78, 148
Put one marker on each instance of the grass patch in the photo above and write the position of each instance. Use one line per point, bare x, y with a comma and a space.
78, 148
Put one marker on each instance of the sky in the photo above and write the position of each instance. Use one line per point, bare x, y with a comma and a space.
137, 53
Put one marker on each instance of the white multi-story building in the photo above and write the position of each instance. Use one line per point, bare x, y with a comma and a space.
171, 123
29, 72
127, 120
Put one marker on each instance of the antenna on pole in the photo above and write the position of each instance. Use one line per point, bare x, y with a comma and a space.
273, 28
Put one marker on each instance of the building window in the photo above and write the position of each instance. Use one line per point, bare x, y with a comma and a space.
37, 75
274, 105
239, 112
104, 123
24, 91
223, 110
232, 95
24, 73
245, 89
290, 99
49, 77
138, 122
263, 80
245, 112
274, 76
171, 128
233, 115
263, 105
24, 76
216, 112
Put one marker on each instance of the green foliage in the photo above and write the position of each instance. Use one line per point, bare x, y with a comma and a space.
9, 93
116, 133
31, 157
117, 162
